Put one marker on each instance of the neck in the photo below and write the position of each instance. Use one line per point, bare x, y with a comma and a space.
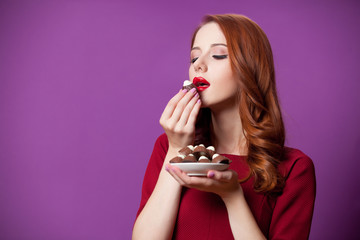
227, 132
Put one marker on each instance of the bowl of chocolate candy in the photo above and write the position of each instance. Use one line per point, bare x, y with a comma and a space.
198, 160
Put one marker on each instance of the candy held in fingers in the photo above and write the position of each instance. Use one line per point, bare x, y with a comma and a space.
188, 85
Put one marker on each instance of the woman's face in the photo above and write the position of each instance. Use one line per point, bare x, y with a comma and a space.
210, 68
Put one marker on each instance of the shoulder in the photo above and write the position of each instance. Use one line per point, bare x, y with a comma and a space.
294, 160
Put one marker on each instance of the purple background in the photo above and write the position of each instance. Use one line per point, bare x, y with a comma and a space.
83, 85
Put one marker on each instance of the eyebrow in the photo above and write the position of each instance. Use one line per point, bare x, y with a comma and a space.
212, 45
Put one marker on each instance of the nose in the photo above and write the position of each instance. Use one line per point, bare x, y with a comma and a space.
200, 65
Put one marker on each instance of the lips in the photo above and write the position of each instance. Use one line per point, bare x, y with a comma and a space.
201, 83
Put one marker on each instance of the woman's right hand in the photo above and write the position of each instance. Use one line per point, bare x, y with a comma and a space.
160, 210
179, 117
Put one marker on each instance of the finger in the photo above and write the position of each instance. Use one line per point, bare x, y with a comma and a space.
194, 113
224, 176
197, 182
170, 107
181, 105
187, 111
186, 180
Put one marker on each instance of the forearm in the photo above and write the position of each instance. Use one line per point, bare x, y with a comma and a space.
157, 219
242, 222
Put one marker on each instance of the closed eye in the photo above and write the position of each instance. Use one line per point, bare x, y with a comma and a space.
220, 56
194, 59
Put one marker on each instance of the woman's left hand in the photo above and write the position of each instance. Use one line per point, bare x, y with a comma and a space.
223, 183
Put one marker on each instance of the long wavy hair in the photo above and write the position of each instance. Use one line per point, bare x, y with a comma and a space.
251, 60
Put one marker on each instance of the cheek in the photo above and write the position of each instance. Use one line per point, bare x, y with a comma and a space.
222, 67
226, 70
225, 74
231, 84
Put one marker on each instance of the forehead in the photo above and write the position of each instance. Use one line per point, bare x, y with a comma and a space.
208, 34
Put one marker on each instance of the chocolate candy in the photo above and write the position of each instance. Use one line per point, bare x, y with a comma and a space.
199, 154
217, 158
177, 159
190, 158
200, 151
211, 151
188, 85
204, 159
186, 150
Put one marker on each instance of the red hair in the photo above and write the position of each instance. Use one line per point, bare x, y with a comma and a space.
251, 60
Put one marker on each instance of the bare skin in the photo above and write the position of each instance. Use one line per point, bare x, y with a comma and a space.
157, 219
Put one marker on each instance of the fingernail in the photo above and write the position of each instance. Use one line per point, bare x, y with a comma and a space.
211, 174
184, 90
193, 90
198, 101
196, 95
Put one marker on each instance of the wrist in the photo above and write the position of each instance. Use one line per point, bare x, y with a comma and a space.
173, 151
234, 197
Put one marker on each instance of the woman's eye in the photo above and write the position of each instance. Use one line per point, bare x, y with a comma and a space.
219, 56
194, 59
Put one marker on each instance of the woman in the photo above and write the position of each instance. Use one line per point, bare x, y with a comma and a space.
237, 111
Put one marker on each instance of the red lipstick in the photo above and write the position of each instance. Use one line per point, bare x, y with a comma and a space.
201, 83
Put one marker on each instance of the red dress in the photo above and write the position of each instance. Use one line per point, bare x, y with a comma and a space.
203, 215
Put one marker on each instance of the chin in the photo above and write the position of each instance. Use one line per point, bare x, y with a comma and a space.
219, 104
206, 104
